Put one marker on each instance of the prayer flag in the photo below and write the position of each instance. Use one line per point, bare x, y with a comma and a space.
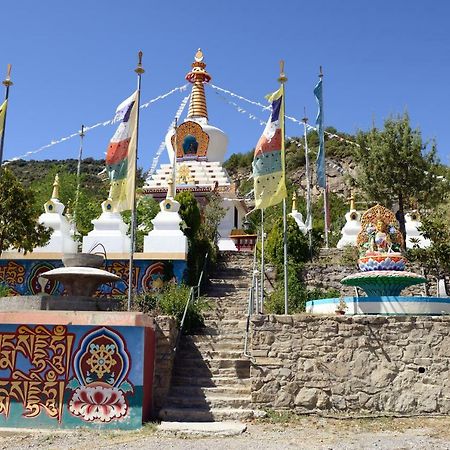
320, 162
2, 116
268, 160
121, 155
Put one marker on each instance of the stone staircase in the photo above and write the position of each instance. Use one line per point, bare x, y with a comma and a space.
211, 377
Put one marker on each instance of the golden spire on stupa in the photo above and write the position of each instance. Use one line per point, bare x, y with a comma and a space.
197, 76
55, 193
294, 201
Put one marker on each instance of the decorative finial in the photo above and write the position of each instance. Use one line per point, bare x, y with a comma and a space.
55, 193
320, 72
294, 201
7, 81
305, 119
282, 78
198, 76
139, 69
82, 133
352, 200
199, 55
169, 189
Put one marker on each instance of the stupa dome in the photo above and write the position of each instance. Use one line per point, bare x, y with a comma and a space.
196, 138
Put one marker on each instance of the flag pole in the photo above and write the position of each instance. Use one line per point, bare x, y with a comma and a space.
139, 71
325, 194
308, 184
7, 83
262, 263
80, 156
282, 80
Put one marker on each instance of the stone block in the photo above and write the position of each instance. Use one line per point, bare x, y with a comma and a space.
307, 398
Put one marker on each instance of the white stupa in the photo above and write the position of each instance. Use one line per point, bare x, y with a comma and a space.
412, 225
61, 240
109, 230
166, 240
352, 225
200, 152
297, 215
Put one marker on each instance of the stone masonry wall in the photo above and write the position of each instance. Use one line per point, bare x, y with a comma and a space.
166, 333
360, 365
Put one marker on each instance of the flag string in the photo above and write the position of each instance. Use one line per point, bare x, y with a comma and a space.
91, 127
291, 118
162, 146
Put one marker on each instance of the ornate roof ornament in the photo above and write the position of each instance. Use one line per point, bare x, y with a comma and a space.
198, 76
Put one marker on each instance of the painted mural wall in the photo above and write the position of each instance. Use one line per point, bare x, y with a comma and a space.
22, 276
63, 376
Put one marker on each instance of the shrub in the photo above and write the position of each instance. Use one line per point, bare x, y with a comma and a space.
172, 301
5, 290
298, 294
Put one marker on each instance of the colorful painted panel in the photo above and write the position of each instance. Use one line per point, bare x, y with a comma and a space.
22, 276
58, 376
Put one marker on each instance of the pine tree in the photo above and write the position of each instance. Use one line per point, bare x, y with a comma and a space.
396, 166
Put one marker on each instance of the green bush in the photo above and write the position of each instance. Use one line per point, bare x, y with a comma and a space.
298, 294
172, 302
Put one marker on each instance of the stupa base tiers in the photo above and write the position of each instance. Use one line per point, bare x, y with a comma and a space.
382, 305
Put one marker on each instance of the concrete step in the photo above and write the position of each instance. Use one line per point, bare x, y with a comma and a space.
238, 372
183, 380
189, 414
219, 363
217, 338
207, 355
204, 347
210, 391
211, 401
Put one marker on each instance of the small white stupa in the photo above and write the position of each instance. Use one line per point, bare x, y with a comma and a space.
297, 215
352, 225
109, 230
413, 235
61, 240
166, 240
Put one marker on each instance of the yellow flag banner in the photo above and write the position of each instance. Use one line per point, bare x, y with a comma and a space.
121, 155
2, 116
268, 160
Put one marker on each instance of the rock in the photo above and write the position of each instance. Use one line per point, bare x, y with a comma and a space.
307, 398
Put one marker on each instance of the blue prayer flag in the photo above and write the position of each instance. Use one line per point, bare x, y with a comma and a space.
320, 162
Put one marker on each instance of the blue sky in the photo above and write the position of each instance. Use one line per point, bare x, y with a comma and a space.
73, 64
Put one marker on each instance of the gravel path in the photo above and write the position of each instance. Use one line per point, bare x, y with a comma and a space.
303, 433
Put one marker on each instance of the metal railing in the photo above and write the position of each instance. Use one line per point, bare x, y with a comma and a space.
252, 296
194, 294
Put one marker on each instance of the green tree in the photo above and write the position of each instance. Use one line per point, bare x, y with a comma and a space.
397, 166
146, 210
189, 212
19, 228
435, 259
89, 201
297, 244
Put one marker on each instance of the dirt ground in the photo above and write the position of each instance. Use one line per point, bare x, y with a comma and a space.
275, 433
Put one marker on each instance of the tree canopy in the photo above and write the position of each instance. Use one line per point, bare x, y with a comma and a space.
396, 166
19, 228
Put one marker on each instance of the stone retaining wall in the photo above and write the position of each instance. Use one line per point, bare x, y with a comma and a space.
356, 365
166, 333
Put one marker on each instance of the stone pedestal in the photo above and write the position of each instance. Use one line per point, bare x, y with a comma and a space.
109, 230
166, 240
351, 229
